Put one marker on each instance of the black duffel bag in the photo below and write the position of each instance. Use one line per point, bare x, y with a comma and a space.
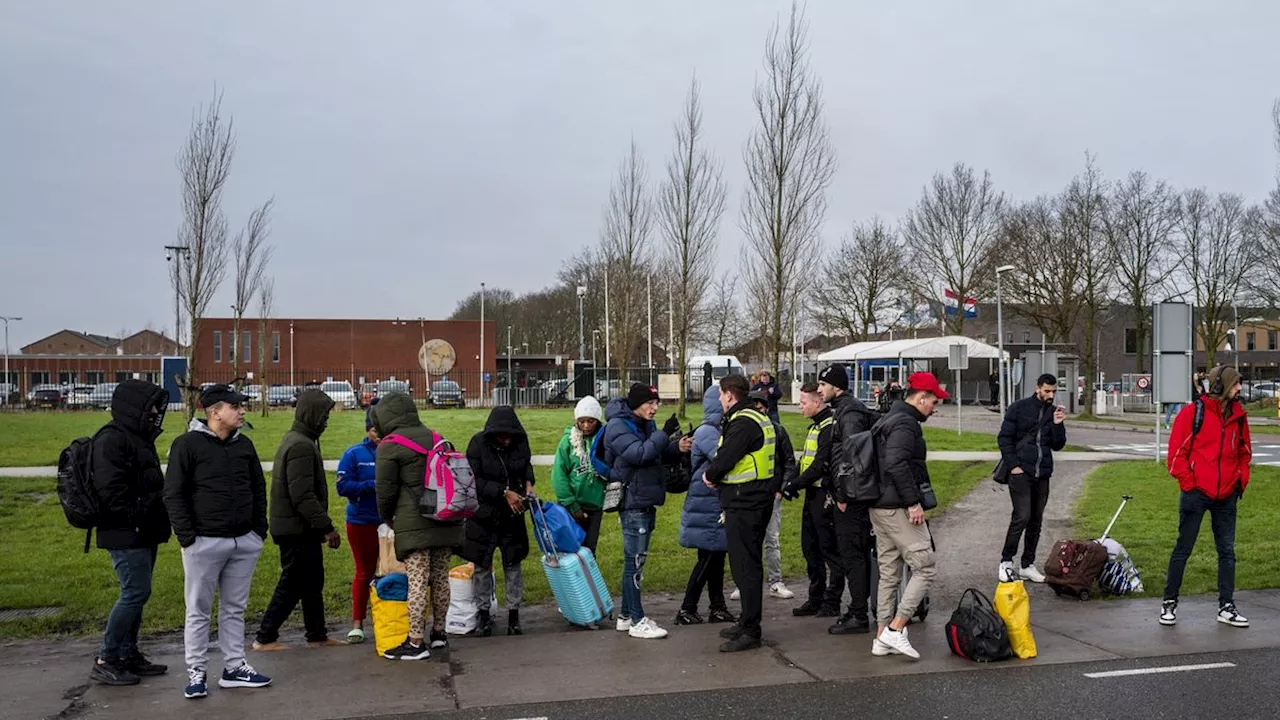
976, 631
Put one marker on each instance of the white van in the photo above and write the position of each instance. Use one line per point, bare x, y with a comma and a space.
696, 369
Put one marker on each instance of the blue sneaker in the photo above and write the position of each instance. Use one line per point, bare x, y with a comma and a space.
196, 687
244, 676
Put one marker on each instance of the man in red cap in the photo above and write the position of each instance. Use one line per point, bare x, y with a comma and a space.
902, 538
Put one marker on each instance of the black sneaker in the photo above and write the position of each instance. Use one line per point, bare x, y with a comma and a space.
139, 665
850, 625
808, 609
484, 624
732, 632
685, 617
721, 615
741, 643
408, 651
828, 611
513, 623
112, 672
439, 640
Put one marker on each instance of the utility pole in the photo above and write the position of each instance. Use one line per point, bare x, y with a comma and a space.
1000, 332
174, 253
649, 295
582, 342
7, 390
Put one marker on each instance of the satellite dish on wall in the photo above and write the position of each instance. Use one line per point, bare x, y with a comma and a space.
437, 356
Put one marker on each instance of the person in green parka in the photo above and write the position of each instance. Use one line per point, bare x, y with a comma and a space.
578, 488
423, 545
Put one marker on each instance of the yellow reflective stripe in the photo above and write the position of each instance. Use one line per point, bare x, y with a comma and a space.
759, 464
811, 446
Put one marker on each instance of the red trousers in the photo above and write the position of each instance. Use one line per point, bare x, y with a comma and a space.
363, 540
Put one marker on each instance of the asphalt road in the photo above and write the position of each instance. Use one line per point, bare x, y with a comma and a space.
1242, 692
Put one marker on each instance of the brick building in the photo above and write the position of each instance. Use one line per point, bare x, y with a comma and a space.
70, 357
299, 350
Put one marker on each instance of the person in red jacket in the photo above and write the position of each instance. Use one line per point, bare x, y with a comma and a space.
1209, 454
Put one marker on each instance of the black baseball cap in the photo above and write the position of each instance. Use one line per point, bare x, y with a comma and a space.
215, 394
759, 396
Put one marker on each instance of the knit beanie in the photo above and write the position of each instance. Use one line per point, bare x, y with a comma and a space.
1228, 376
640, 394
588, 407
836, 377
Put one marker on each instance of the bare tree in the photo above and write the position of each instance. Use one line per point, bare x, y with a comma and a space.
953, 234
204, 164
251, 254
1082, 208
1138, 226
624, 239
266, 306
1046, 287
790, 162
1218, 238
721, 324
1262, 281
868, 291
690, 204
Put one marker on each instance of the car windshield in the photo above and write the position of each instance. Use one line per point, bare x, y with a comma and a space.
387, 386
332, 387
444, 386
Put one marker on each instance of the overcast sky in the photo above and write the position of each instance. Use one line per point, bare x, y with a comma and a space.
416, 149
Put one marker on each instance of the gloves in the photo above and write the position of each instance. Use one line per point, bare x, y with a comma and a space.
671, 426
789, 491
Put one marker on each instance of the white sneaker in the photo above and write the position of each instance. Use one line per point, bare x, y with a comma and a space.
1227, 615
624, 624
1031, 574
737, 595
1169, 612
1006, 573
647, 629
896, 641
879, 649
779, 590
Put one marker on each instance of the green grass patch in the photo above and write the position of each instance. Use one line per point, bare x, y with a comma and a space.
43, 565
36, 438
1148, 528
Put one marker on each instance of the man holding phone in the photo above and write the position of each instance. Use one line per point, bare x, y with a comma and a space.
1033, 428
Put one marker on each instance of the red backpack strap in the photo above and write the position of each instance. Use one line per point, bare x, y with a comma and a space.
405, 442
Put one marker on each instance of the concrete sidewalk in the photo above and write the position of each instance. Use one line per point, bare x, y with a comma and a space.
552, 662
547, 460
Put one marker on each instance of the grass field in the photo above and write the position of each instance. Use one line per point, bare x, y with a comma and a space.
36, 438
1148, 527
43, 565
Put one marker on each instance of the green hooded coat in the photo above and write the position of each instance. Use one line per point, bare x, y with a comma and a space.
299, 487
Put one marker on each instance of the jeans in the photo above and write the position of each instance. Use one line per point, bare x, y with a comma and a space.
1029, 496
1171, 410
133, 571
1222, 518
773, 543
637, 531
746, 529
707, 573
301, 580
486, 585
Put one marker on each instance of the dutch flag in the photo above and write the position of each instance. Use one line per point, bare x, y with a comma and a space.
952, 303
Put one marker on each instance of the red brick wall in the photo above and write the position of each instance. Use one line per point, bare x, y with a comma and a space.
23, 367
64, 342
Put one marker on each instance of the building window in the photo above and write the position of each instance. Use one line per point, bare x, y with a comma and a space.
1026, 337
217, 346
992, 338
39, 378
94, 378
1008, 337
66, 378
1271, 340
1250, 341
122, 375
246, 350
275, 346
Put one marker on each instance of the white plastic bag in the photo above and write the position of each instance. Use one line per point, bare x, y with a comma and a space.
464, 611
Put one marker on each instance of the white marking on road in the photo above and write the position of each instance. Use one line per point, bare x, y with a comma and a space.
1159, 670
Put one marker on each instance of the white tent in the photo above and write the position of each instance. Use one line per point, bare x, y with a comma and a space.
935, 348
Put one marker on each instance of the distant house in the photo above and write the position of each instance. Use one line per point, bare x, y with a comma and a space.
71, 357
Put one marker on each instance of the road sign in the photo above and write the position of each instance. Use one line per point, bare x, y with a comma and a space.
1144, 383
958, 357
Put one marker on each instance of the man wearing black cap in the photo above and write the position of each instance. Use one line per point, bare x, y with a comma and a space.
852, 521
216, 496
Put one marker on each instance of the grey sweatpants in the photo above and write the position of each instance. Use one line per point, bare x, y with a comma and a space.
484, 584
225, 565
773, 544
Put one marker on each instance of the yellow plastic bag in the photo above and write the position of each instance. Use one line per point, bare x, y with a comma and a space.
1014, 607
390, 620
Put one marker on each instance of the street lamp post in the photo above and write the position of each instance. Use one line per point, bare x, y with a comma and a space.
582, 342
173, 253
511, 383
5, 399
484, 384
1000, 336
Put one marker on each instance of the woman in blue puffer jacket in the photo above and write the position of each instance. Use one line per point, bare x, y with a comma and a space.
702, 525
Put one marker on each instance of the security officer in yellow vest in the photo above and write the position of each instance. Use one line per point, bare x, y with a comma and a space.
743, 471
817, 528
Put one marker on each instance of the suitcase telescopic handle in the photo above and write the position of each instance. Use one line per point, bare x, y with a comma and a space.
1124, 500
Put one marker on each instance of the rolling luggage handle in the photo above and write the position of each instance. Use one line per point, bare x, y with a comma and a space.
1124, 500
544, 532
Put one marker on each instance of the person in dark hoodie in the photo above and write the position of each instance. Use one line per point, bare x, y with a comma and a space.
852, 521
132, 522
300, 524
216, 496
422, 544
503, 464
702, 524
635, 450
356, 482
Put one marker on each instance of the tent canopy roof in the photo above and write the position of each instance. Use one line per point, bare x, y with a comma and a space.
935, 348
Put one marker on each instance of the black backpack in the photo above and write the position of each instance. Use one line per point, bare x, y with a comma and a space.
75, 486
859, 469
976, 631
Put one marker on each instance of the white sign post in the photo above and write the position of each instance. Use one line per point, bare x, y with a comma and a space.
957, 360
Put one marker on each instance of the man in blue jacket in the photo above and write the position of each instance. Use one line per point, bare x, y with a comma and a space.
635, 450
356, 483
702, 523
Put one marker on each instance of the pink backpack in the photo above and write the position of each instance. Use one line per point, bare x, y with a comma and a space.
449, 486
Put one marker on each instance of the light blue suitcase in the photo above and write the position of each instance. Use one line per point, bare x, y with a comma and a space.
574, 577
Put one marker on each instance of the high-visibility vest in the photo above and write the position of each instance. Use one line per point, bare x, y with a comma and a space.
756, 465
811, 445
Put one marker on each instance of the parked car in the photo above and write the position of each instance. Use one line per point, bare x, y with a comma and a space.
368, 391
1258, 391
387, 386
446, 392
9, 394
79, 396
47, 396
282, 396
100, 396
341, 392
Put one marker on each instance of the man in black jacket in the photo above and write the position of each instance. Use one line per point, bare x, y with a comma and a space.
1032, 430
131, 522
817, 528
743, 471
300, 523
216, 496
852, 523
902, 537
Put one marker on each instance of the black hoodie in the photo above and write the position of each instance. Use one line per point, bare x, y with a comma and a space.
126, 469
499, 468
